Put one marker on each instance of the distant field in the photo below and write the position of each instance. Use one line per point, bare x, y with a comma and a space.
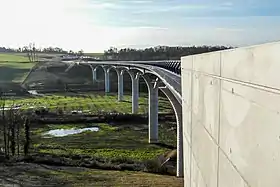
13, 57
14, 67
94, 54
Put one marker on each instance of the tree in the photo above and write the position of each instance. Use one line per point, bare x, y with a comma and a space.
27, 136
81, 52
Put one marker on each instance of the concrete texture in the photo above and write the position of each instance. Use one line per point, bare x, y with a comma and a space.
135, 92
231, 117
120, 85
153, 86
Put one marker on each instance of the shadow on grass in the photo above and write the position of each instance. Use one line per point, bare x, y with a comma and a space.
125, 101
27, 175
163, 145
9, 74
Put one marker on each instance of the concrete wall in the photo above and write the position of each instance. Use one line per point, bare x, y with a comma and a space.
231, 120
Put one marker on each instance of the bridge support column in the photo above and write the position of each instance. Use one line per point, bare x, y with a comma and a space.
107, 81
120, 85
153, 114
153, 86
135, 93
94, 74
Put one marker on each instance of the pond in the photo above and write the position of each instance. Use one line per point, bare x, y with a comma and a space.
66, 132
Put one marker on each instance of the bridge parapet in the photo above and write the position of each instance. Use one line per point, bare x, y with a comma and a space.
231, 107
171, 65
170, 79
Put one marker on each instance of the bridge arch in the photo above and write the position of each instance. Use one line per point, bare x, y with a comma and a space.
177, 107
94, 71
154, 84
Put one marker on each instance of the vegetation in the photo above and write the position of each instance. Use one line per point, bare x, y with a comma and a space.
94, 54
152, 53
116, 178
92, 102
10, 57
24, 174
31, 47
14, 70
113, 147
158, 53
117, 141
14, 132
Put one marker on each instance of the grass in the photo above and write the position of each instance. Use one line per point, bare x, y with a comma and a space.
25, 174
115, 178
93, 102
94, 54
128, 142
14, 67
121, 143
13, 57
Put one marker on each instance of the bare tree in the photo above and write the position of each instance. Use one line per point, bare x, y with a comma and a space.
27, 136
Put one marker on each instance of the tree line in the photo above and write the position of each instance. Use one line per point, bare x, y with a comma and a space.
158, 53
113, 53
32, 47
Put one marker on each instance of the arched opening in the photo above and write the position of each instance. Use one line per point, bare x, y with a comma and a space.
98, 78
127, 85
113, 79
99, 73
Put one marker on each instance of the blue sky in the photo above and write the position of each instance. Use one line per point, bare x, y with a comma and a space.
95, 25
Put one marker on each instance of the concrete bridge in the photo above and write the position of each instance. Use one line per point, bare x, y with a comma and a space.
227, 106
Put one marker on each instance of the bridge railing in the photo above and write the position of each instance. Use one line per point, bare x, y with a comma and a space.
173, 66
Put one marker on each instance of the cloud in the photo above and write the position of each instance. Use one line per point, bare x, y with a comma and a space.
229, 4
104, 5
141, 1
97, 25
229, 29
157, 9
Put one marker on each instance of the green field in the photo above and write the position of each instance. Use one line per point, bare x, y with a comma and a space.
117, 141
14, 67
13, 57
91, 102
94, 54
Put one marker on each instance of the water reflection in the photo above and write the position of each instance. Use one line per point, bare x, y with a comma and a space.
66, 132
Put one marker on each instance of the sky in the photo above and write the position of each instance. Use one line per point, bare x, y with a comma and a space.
96, 25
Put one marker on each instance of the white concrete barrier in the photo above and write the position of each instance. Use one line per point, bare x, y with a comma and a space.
231, 117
